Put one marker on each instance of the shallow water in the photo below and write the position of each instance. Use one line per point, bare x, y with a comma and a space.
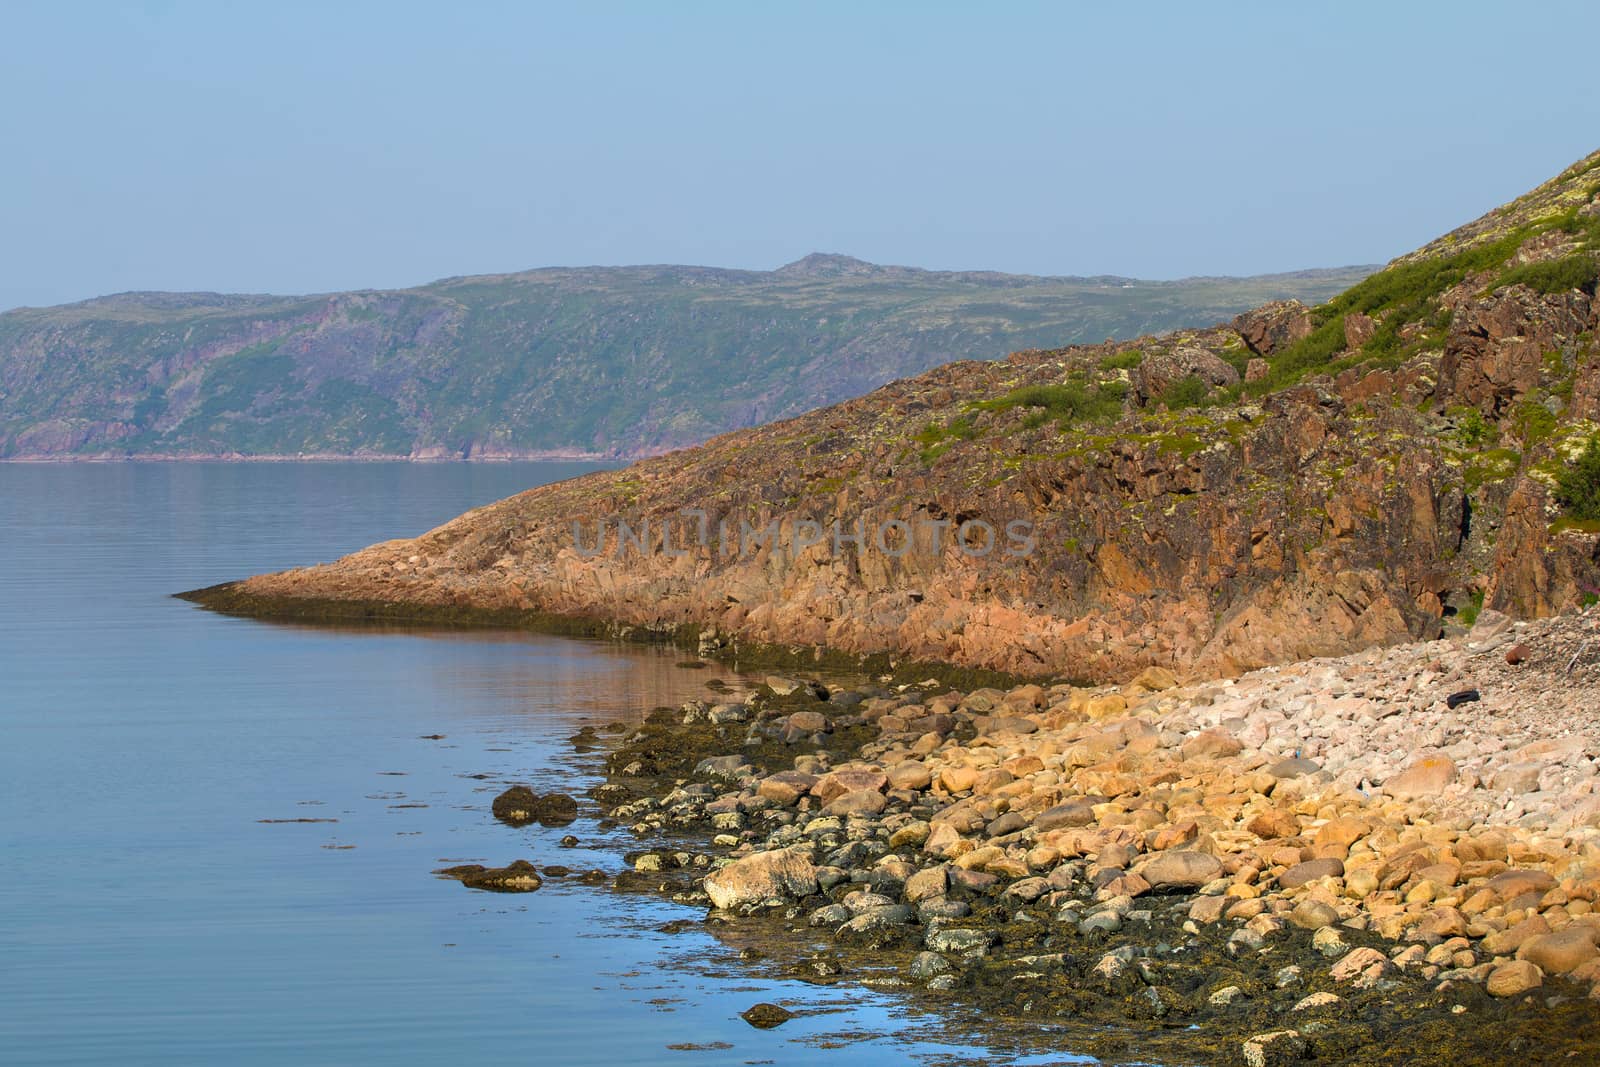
148, 914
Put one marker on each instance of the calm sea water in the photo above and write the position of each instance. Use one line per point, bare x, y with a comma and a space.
148, 915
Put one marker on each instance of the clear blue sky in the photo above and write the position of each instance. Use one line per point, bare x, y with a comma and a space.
298, 147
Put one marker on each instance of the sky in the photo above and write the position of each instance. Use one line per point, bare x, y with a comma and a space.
295, 147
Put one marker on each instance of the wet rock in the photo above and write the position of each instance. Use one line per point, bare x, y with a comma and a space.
786, 787
1328, 942
1225, 996
805, 723
519, 806
961, 941
776, 875
765, 1016
937, 908
1361, 964
876, 919
1274, 1049
782, 686
926, 965
926, 885
728, 768
830, 915
520, 876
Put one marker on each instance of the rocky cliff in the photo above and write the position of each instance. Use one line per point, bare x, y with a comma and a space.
601, 361
1300, 482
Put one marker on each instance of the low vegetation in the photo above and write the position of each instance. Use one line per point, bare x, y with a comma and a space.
1578, 484
1069, 403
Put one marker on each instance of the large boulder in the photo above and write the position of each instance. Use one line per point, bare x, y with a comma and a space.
1160, 370
1275, 326
779, 875
1563, 951
1180, 869
1425, 777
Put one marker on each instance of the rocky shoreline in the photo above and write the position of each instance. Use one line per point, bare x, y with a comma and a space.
1322, 862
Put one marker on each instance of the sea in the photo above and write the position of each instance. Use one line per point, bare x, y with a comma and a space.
218, 835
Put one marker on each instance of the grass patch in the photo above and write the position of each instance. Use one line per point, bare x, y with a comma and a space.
1123, 360
1185, 393
1577, 271
1067, 404
936, 440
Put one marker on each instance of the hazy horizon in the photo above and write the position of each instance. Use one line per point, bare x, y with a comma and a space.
1329, 269
293, 150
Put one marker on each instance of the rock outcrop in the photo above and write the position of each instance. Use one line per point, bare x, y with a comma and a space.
1052, 514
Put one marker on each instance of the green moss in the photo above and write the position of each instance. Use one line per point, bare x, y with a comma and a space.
1184, 444
936, 440
1126, 360
1495, 465
1533, 423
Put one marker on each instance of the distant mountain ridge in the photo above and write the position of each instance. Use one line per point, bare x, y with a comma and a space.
587, 361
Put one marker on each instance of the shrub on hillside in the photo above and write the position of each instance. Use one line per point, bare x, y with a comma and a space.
1578, 485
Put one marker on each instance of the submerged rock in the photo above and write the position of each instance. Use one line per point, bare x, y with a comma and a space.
519, 876
765, 1016
519, 806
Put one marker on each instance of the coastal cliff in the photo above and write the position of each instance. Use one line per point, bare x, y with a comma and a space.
1300, 482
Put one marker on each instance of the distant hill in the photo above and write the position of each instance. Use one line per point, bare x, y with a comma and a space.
609, 361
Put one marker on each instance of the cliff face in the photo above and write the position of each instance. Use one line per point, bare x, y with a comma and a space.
598, 361
1301, 482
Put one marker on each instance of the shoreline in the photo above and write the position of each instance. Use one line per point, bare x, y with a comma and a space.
1114, 867
233, 598
1115, 849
